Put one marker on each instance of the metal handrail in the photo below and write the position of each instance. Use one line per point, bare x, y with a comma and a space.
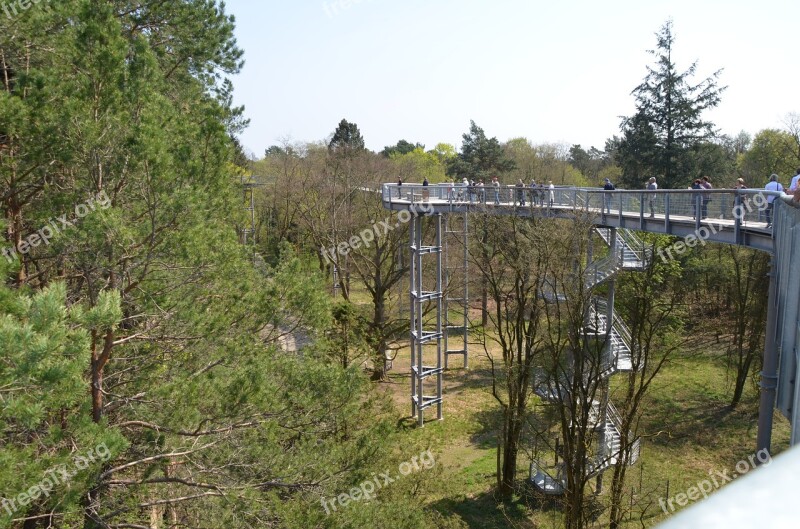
616, 419
613, 414
627, 240
740, 207
634, 243
599, 270
600, 306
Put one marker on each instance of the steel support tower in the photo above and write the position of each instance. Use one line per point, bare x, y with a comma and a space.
426, 318
456, 301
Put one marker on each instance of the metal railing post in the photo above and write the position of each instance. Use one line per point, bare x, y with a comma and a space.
641, 211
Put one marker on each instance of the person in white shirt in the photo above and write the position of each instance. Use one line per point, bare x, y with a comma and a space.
772, 185
793, 185
652, 186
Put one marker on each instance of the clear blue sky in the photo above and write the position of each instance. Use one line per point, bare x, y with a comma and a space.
551, 71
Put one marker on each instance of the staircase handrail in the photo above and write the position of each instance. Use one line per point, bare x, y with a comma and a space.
623, 331
605, 266
600, 306
635, 451
634, 243
613, 414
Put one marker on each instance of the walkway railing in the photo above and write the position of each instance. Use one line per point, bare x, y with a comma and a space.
731, 208
743, 213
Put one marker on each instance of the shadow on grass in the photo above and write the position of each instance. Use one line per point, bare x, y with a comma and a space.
460, 379
485, 512
702, 423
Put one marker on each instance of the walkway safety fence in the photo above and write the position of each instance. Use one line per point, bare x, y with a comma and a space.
764, 220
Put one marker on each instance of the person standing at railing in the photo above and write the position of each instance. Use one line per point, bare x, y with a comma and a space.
532, 193
705, 183
552, 193
520, 192
651, 199
496, 186
795, 187
399, 188
482, 192
794, 183
425, 192
695, 197
739, 211
608, 186
772, 185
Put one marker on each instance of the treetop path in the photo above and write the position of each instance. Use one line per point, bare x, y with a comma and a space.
737, 216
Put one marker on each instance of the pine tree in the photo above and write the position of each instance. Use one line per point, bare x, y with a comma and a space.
668, 121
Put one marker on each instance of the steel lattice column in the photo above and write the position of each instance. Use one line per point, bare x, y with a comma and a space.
426, 327
456, 302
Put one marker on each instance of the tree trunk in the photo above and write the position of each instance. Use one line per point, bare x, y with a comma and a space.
741, 380
484, 279
14, 215
616, 513
99, 361
509, 464
484, 304
97, 390
378, 326
512, 426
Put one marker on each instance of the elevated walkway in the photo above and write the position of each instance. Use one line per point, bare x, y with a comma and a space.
737, 217
732, 216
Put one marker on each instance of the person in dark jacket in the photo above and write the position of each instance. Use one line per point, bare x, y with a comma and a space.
607, 196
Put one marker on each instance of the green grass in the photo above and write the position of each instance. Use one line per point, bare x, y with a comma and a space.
688, 427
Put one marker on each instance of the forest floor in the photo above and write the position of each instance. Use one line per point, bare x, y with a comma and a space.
688, 430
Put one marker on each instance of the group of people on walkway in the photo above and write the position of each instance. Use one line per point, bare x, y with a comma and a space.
475, 191
702, 184
540, 194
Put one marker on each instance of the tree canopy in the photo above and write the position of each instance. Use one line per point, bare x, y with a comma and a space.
480, 157
658, 139
402, 147
346, 138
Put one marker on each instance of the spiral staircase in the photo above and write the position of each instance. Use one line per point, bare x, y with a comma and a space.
626, 252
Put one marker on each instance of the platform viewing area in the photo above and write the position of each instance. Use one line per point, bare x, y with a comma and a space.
732, 216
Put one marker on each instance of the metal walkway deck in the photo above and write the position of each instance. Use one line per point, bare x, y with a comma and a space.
724, 216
